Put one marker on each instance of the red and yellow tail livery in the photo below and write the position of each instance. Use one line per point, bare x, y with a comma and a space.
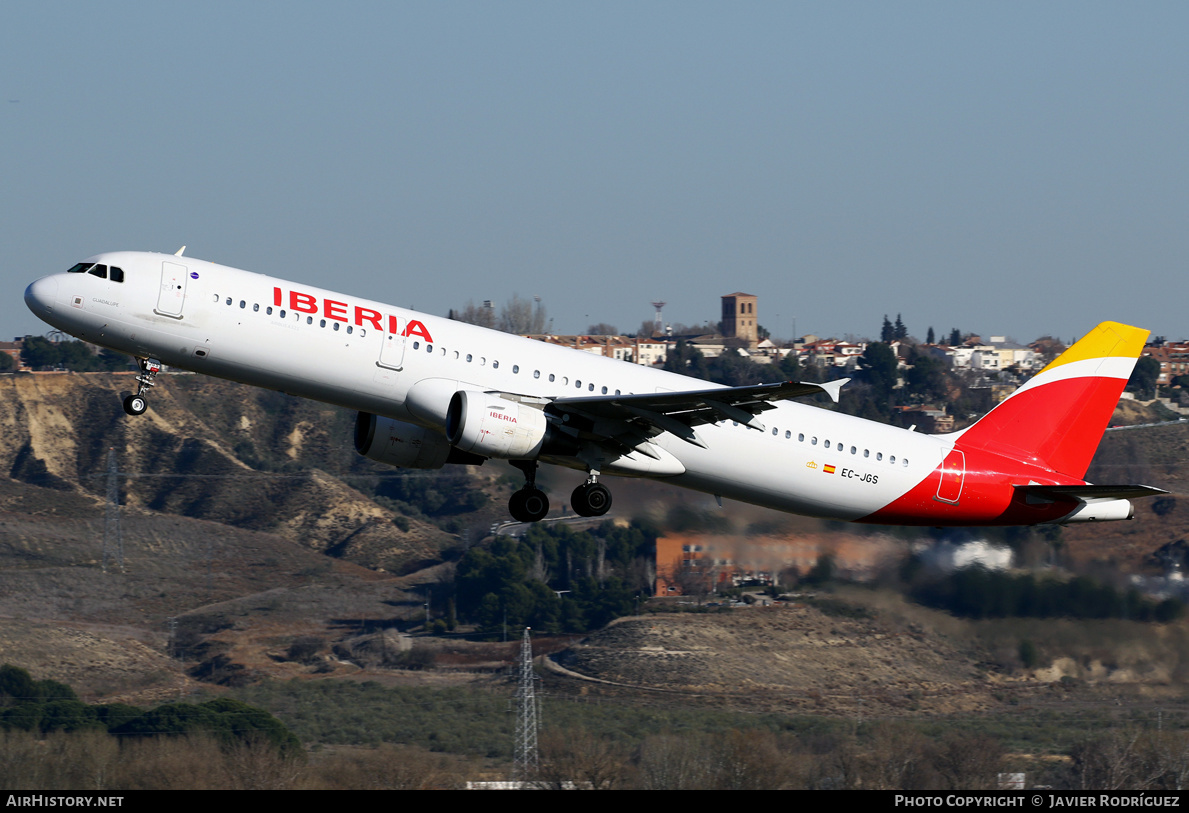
1024, 461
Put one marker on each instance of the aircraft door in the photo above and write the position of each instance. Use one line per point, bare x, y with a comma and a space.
953, 473
392, 351
172, 296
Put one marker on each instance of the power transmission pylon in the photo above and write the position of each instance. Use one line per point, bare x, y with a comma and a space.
524, 759
113, 540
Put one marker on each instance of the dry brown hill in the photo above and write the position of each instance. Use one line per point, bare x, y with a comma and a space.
209, 449
790, 658
1156, 455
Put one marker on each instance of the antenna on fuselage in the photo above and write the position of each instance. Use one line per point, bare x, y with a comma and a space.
178, 253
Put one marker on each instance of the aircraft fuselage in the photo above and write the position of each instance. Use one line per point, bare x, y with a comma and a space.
376, 358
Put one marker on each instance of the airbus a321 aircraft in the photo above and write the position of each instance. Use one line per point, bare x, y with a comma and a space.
431, 391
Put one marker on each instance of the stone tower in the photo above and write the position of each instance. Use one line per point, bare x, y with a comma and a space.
739, 318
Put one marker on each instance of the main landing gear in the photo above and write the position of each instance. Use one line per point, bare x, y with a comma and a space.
530, 503
591, 499
136, 404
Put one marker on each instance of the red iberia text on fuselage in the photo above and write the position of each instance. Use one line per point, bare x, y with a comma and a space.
346, 312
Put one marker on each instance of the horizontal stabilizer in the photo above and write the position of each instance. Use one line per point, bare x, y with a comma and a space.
1091, 492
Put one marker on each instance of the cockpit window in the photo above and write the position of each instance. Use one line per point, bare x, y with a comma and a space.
98, 270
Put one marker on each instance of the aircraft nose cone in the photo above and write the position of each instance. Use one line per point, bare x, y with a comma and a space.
41, 296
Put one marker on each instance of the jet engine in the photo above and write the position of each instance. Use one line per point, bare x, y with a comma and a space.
492, 426
405, 445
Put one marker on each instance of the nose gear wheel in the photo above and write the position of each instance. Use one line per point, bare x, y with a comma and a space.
136, 404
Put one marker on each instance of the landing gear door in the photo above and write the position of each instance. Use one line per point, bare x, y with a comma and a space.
392, 351
953, 472
173, 290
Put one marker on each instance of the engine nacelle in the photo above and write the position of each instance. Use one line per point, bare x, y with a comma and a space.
492, 426
429, 399
405, 445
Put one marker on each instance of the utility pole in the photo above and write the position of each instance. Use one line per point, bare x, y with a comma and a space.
524, 760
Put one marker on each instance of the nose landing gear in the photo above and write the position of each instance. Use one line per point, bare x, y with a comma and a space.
136, 404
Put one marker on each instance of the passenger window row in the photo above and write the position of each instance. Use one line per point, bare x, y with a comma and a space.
553, 378
837, 445
283, 314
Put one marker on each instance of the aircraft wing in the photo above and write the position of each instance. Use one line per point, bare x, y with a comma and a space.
680, 412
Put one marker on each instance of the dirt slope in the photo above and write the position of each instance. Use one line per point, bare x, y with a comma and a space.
245, 456
792, 658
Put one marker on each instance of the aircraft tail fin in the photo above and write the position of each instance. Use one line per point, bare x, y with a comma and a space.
1056, 419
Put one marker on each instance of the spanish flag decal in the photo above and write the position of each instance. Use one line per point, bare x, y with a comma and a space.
829, 469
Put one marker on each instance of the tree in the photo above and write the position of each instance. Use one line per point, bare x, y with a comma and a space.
887, 332
735, 370
900, 331
482, 315
687, 360
877, 367
955, 337
926, 377
822, 571
576, 758
789, 366
602, 329
522, 317
1144, 376
929, 337
39, 352
1048, 348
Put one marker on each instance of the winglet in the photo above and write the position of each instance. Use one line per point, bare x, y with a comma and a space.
178, 253
831, 388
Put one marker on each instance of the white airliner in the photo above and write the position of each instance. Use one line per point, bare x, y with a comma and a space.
431, 391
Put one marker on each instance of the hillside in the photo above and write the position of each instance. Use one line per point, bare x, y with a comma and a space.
212, 450
786, 658
249, 519
1151, 455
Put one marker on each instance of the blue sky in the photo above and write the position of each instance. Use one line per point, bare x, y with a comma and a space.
1002, 168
